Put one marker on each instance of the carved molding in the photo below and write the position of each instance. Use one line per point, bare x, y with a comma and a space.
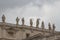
12, 30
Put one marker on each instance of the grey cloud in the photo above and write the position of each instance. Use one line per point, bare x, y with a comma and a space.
13, 3
5, 4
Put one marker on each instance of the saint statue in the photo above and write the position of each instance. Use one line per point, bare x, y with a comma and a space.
53, 27
17, 20
31, 22
42, 25
49, 26
3, 18
23, 21
37, 22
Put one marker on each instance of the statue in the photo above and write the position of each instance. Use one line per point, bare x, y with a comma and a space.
37, 23
42, 25
17, 20
3, 18
31, 23
53, 27
23, 21
49, 26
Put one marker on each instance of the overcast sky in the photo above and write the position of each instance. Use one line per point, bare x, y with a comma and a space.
46, 10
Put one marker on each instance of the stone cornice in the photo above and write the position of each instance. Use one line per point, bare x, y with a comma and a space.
23, 27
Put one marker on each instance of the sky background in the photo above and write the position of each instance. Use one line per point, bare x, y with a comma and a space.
46, 10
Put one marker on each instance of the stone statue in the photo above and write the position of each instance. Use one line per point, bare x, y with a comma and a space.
31, 22
23, 21
49, 26
3, 18
37, 22
17, 20
53, 27
42, 25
